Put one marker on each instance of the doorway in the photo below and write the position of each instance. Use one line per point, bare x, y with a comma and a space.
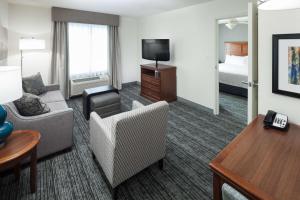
251, 84
233, 66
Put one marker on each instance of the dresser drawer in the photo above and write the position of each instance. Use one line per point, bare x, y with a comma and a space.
151, 93
151, 86
150, 79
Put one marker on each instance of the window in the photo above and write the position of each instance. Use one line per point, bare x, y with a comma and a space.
88, 50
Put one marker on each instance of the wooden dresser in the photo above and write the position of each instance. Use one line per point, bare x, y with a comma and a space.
158, 88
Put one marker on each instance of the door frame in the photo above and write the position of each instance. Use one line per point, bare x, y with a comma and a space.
216, 109
216, 64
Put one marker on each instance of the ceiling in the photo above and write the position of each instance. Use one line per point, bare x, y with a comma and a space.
132, 8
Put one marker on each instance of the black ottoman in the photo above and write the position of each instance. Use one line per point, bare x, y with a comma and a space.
106, 104
103, 102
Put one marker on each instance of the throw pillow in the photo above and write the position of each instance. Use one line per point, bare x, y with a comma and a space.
34, 84
31, 105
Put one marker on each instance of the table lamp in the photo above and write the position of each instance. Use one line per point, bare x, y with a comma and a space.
11, 89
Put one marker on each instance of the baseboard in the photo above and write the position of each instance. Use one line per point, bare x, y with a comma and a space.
194, 105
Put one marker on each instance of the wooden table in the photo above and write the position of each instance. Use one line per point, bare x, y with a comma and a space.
19, 145
88, 93
260, 163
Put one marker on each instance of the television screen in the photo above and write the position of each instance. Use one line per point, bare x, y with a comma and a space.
156, 49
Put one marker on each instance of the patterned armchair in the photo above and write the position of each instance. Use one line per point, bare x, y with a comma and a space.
229, 193
129, 142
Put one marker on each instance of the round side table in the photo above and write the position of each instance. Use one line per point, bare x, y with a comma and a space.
19, 145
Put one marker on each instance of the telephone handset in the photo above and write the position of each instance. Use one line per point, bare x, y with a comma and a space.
276, 120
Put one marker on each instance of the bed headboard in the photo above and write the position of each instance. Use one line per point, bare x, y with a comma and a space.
236, 48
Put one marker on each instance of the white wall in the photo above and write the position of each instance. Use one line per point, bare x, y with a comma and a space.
28, 21
129, 46
4, 13
238, 34
3, 32
275, 22
192, 34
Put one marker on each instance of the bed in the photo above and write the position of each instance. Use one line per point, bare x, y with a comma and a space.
234, 71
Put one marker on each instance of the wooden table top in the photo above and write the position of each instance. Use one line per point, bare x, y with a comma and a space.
17, 144
262, 162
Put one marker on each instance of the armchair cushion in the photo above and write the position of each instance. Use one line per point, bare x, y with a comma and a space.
31, 105
136, 104
34, 84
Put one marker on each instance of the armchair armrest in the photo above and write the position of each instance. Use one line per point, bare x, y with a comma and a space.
101, 143
101, 126
52, 87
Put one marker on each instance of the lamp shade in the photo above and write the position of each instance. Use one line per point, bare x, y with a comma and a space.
10, 84
31, 44
280, 5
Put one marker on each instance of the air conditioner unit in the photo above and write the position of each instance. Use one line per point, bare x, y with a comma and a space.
77, 86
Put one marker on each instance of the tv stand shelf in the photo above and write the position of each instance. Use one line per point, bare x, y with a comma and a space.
161, 87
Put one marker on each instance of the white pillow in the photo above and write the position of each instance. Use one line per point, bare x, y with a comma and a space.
235, 60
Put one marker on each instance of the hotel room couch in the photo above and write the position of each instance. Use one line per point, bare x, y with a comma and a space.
56, 127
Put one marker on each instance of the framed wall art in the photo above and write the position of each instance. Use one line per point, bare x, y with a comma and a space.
286, 65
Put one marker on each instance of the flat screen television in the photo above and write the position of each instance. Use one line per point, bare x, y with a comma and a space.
156, 49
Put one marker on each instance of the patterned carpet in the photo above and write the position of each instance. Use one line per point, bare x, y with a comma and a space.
194, 137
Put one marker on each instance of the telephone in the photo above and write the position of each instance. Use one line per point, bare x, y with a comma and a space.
276, 120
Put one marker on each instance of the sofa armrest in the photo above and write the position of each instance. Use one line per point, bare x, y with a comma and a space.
136, 105
52, 87
17, 117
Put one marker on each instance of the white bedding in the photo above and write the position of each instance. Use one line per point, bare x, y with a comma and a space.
233, 74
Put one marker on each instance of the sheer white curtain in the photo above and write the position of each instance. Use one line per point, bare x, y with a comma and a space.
88, 50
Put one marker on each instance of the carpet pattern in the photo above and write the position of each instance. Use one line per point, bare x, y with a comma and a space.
194, 138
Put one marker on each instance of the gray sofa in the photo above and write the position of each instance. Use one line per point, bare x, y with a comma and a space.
56, 127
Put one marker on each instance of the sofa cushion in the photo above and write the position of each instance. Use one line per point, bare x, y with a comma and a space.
34, 84
59, 105
31, 105
104, 100
52, 96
